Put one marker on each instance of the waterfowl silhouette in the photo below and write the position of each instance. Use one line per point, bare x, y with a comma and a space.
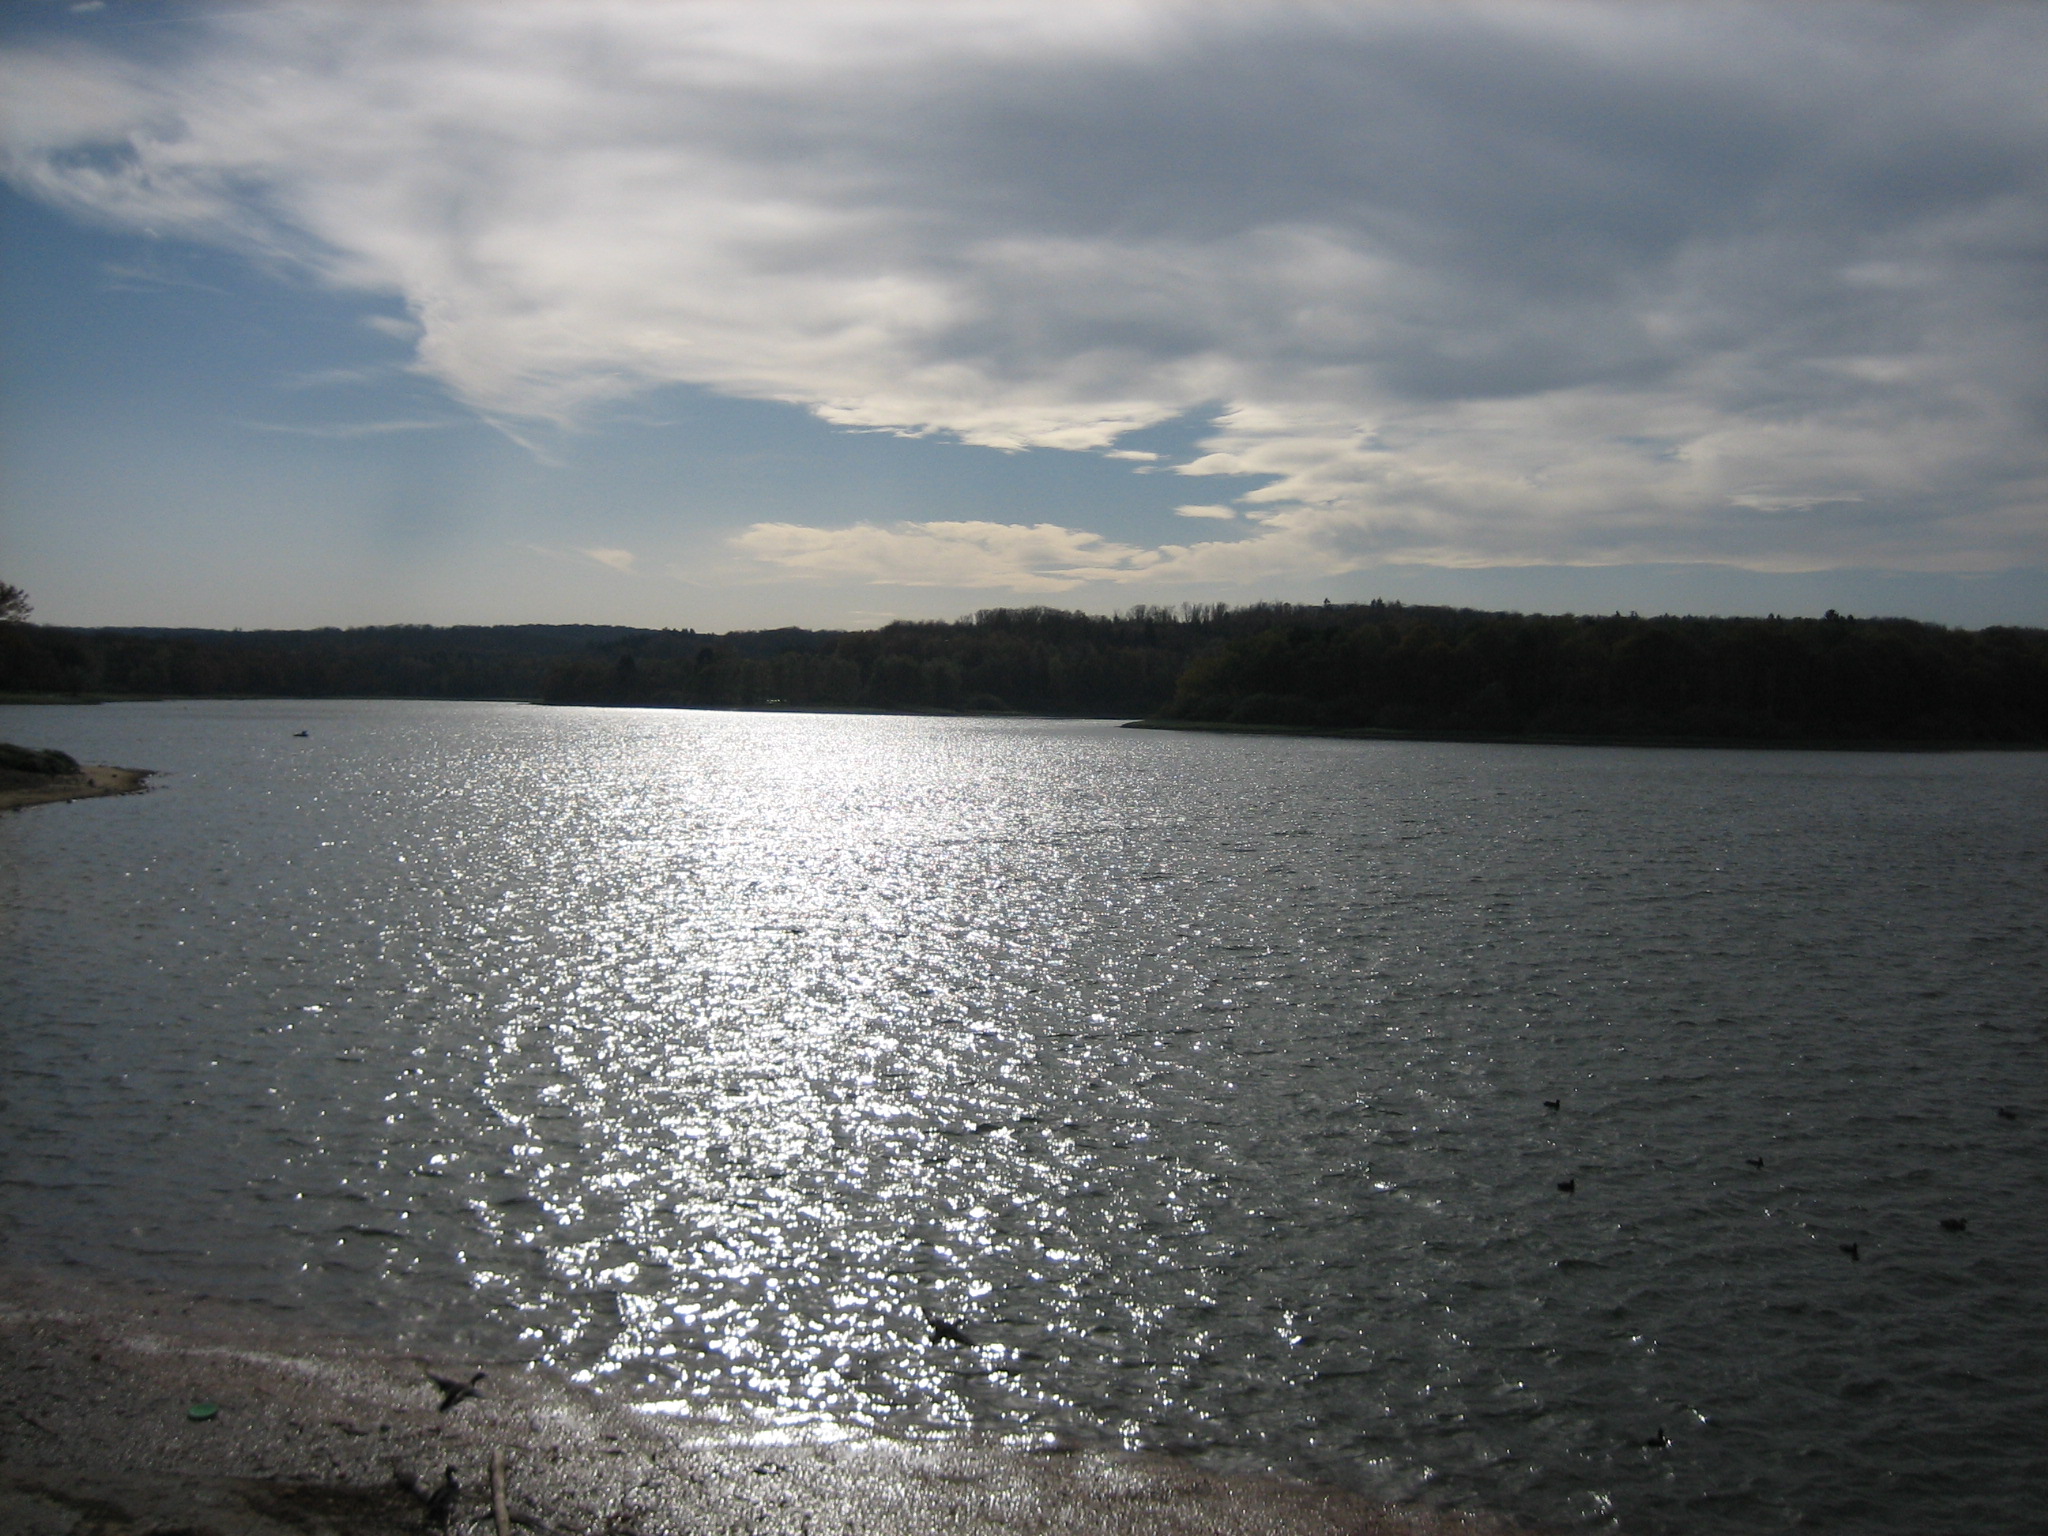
441, 1502
1755, 1162
453, 1391
1553, 1103
946, 1331
1657, 1442
302, 733
2007, 1114
1954, 1223
1569, 1186
1854, 1250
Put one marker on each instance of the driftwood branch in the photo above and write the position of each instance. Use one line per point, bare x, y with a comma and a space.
498, 1494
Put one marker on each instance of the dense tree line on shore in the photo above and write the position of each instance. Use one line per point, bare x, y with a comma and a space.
392, 661
1033, 660
1028, 660
1375, 666
1430, 670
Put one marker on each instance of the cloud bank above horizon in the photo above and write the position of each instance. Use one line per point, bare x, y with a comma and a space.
1464, 284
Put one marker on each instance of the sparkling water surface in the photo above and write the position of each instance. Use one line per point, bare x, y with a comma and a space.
1199, 1080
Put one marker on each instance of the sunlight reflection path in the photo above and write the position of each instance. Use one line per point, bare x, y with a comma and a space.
784, 1012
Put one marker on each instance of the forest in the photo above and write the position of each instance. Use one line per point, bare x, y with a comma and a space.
1375, 667
1031, 660
1449, 671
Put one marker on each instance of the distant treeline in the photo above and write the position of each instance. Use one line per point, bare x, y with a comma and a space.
1437, 670
413, 661
1033, 660
1340, 666
1023, 660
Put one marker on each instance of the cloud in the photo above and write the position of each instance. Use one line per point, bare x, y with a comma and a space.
1040, 557
620, 560
1498, 281
1219, 513
392, 326
346, 430
1764, 501
337, 378
150, 277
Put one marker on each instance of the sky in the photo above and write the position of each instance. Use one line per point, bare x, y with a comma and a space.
721, 316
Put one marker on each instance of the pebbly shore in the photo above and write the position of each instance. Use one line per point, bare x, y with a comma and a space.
138, 1413
92, 781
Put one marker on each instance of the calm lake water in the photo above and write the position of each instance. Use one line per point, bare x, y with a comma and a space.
1200, 1079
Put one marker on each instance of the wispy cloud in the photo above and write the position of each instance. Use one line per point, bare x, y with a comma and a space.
150, 277
1038, 557
1494, 281
344, 430
1765, 501
620, 560
337, 378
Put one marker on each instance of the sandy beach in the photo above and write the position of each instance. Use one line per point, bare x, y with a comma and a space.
143, 1414
92, 781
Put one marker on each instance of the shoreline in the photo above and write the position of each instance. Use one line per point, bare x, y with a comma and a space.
1561, 739
93, 781
1148, 723
139, 1410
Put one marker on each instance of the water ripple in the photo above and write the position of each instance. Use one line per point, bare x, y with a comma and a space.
1072, 1084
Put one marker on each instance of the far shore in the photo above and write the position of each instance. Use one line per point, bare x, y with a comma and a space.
1149, 723
91, 782
1548, 739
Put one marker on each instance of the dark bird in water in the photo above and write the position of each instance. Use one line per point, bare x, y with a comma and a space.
1854, 1250
2007, 1114
1755, 1162
441, 1502
302, 733
1568, 1185
1553, 1103
946, 1331
1954, 1223
453, 1391
1658, 1441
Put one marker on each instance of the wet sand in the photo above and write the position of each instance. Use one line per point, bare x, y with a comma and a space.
90, 782
320, 1436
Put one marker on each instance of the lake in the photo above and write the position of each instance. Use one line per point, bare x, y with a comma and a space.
1216, 1091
